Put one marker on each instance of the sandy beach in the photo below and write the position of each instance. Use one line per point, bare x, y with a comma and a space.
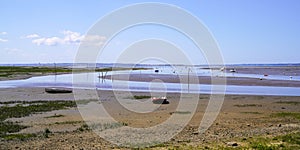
242, 121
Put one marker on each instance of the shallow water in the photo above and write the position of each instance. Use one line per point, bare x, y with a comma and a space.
91, 81
208, 72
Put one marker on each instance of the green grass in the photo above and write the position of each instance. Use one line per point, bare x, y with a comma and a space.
7, 127
12, 70
84, 127
287, 114
21, 110
9, 71
6, 70
34, 107
281, 142
285, 142
21, 137
69, 122
291, 138
180, 112
29, 102
264, 146
248, 105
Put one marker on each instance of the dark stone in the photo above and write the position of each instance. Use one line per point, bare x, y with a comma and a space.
232, 144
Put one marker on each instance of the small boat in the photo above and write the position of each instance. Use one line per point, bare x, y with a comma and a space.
156, 70
222, 69
266, 75
160, 100
58, 90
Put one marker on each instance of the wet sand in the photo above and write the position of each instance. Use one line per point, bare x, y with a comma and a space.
240, 117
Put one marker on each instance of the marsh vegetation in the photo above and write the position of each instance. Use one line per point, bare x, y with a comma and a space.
18, 109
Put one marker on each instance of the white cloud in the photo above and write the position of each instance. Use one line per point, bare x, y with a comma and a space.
32, 36
70, 37
3, 33
48, 41
93, 40
3, 40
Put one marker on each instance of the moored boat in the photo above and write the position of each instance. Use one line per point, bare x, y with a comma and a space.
160, 100
58, 90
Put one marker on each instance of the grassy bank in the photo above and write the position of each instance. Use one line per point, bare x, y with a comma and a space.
17, 109
10, 71
25, 70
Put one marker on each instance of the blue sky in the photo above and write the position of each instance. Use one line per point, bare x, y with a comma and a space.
247, 31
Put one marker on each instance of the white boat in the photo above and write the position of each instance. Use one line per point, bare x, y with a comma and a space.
160, 100
232, 70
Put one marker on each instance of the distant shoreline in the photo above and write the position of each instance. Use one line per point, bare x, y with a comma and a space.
70, 65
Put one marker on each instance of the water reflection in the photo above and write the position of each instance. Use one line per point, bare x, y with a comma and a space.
92, 80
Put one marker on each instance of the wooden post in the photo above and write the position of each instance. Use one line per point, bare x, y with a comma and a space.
55, 68
188, 79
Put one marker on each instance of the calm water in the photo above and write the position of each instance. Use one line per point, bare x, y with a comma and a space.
91, 80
